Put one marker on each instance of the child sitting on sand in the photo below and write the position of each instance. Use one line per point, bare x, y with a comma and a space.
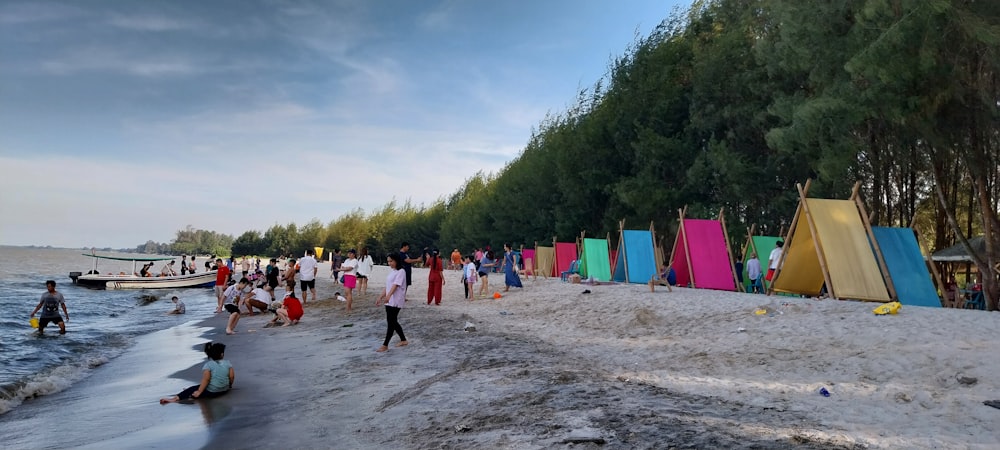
217, 377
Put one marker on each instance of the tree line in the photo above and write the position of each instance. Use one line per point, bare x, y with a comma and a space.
729, 104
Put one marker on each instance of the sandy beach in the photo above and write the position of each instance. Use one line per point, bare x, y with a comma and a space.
619, 367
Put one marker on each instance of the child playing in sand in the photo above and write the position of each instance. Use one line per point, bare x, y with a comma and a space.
288, 311
394, 297
217, 377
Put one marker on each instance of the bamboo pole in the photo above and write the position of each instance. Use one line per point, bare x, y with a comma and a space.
787, 240
883, 267
687, 249
928, 261
819, 244
729, 252
622, 251
748, 243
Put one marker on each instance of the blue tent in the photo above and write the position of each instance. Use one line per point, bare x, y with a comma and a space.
907, 266
636, 262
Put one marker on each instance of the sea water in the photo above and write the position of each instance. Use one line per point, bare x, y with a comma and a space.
103, 325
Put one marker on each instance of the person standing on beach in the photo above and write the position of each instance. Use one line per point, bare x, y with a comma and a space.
221, 278
335, 262
456, 260
394, 298
469, 277
288, 278
217, 377
49, 304
511, 279
753, 273
307, 274
365, 266
349, 268
485, 267
435, 279
773, 260
245, 265
407, 262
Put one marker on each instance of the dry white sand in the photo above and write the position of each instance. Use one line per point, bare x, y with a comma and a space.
549, 366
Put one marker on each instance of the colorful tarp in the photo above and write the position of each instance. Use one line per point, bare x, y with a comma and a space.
528, 255
635, 261
565, 255
907, 267
710, 267
545, 263
762, 245
841, 236
594, 262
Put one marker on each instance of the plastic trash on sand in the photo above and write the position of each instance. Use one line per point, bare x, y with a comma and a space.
888, 308
497, 295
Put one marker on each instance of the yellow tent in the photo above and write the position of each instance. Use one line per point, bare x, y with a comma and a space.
830, 242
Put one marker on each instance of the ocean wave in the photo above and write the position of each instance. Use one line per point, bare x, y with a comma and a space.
48, 382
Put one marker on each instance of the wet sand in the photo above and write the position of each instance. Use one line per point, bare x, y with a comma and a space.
620, 367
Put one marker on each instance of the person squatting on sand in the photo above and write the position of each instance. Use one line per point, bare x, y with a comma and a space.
257, 298
216, 379
49, 304
394, 297
349, 267
435, 279
288, 311
231, 298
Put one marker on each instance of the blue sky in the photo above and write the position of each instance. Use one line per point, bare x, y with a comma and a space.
126, 121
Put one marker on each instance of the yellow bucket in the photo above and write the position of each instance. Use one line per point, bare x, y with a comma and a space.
34, 322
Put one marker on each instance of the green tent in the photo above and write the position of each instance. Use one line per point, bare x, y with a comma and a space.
595, 262
762, 246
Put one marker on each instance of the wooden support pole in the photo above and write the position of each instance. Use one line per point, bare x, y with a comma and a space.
819, 244
622, 250
929, 262
687, 249
729, 252
883, 267
787, 240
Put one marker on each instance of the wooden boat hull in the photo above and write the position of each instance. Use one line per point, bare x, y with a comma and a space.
99, 281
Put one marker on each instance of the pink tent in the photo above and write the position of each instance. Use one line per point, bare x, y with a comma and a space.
701, 256
565, 254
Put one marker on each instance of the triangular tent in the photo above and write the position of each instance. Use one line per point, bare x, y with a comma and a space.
701, 256
907, 266
545, 258
635, 261
828, 243
594, 262
565, 255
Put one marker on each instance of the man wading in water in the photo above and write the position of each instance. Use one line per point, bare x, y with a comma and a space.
50, 303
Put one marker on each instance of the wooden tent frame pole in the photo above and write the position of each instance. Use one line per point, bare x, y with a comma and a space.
883, 267
748, 243
819, 245
787, 239
687, 249
729, 251
929, 262
622, 250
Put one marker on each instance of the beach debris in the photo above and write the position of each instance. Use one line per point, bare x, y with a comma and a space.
496, 295
888, 308
992, 403
968, 381
469, 326
347, 325
462, 428
586, 291
824, 392
506, 313
766, 310
741, 330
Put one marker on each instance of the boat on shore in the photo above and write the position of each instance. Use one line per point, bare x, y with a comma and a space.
94, 279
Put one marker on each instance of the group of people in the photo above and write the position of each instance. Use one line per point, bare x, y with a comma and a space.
352, 272
479, 265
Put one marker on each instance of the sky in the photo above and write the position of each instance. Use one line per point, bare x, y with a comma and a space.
125, 121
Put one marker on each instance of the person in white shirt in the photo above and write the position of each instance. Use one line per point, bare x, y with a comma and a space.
773, 260
307, 275
365, 266
753, 273
469, 276
257, 298
231, 300
349, 269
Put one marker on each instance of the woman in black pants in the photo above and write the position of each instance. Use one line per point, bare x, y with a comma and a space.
393, 297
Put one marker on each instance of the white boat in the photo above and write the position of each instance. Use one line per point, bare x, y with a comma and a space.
94, 279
